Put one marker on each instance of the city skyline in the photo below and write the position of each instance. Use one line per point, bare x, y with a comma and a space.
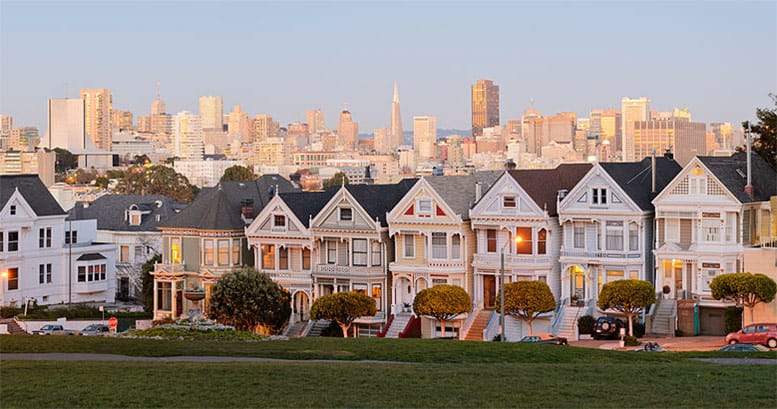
553, 57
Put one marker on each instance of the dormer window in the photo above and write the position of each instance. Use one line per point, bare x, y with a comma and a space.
424, 208
599, 196
12, 210
346, 214
134, 218
508, 202
279, 221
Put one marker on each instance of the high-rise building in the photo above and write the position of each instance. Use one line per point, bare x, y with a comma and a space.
6, 124
158, 107
531, 130
315, 121
632, 110
485, 106
265, 127
610, 125
425, 137
122, 120
347, 130
380, 140
238, 124
212, 113
684, 138
188, 136
98, 107
67, 128
723, 135
559, 127
396, 136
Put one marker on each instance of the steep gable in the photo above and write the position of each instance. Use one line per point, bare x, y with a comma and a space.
731, 172
506, 198
34, 192
543, 185
635, 178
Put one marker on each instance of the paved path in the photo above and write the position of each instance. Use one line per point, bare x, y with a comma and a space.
114, 358
739, 361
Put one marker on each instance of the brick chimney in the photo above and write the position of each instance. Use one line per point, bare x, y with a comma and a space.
247, 209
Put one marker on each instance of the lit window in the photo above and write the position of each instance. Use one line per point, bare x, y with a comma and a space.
268, 256
283, 258
13, 278
524, 245
223, 252
236, 252
124, 257
542, 237
175, 250
306, 259
208, 249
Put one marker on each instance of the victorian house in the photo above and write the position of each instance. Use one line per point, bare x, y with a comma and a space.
206, 240
705, 218
517, 230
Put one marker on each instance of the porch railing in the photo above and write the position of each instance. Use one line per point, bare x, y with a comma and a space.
493, 326
557, 314
468, 323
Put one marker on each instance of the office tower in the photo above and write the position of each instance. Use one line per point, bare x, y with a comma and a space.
67, 129
158, 107
610, 126
531, 130
122, 120
686, 139
265, 127
97, 108
238, 124
381, 141
485, 106
315, 121
631, 110
348, 130
723, 134
6, 124
425, 136
212, 113
188, 136
396, 134
559, 128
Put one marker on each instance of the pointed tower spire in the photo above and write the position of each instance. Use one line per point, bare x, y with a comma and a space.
396, 134
396, 92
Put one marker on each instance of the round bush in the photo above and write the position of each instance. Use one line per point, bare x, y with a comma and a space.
639, 329
585, 324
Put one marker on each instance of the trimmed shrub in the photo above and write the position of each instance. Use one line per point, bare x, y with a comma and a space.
733, 319
639, 330
630, 341
585, 324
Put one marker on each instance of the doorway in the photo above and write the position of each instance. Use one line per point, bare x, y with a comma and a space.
300, 306
489, 291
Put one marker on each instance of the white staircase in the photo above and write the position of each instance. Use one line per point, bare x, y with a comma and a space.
398, 324
663, 318
567, 326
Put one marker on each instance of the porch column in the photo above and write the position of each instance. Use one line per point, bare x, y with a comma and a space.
155, 298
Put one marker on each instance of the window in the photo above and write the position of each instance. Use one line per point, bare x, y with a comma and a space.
90, 276
283, 258
81, 274
376, 258
175, 250
614, 235
13, 278
164, 296
331, 252
279, 221
138, 254
207, 245
236, 252
13, 241
456, 247
2, 235
223, 252
376, 294
124, 257
542, 238
346, 214
268, 256
633, 237
306, 259
711, 229
508, 201
425, 208
408, 240
579, 236
599, 196
525, 245
44, 237
13, 210
439, 246
135, 218
71, 237
491, 241
103, 270
360, 252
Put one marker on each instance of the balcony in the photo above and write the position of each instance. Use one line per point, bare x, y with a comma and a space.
601, 254
287, 274
337, 270
513, 260
91, 287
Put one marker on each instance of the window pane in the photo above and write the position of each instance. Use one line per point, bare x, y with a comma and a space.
439, 246
360, 252
208, 245
306, 259
268, 256
376, 257
236, 252
223, 252
456, 247
542, 237
491, 241
409, 244
283, 258
525, 244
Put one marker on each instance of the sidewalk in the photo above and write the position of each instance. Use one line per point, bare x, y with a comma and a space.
698, 343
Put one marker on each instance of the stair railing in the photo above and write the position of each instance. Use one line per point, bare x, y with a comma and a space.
468, 323
489, 332
557, 315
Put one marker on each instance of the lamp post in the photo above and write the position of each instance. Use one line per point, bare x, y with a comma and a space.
502, 289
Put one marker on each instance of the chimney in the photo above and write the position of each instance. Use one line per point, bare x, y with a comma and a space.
247, 209
749, 185
478, 191
653, 172
668, 154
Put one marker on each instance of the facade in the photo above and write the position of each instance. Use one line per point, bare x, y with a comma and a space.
632, 110
684, 138
347, 131
204, 172
316, 121
485, 106
97, 116
238, 125
425, 137
396, 136
212, 113
38, 162
48, 259
188, 136
67, 126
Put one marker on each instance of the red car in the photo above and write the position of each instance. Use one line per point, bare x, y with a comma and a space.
765, 334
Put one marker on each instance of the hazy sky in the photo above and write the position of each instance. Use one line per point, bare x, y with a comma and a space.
719, 59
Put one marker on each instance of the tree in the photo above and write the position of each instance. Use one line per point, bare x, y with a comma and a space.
627, 296
766, 128
343, 308
237, 173
442, 302
157, 180
527, 299
744, 289
338, 179
148, 281
64, 160
250, 300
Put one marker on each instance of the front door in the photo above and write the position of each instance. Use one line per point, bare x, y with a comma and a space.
300, 306
489, 291
578, 284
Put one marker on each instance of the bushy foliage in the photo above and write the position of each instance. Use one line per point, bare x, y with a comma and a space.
630, 341
766, 129
526, 300
198, 329
250, 300
585, 324
343, 308
733, 319
157, 180
442, 302
627, 296
237, 173
148, 281
744, 289
77, 311
338, 179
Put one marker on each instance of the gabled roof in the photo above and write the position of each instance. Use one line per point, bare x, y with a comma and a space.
732, 172
218, 208
306, 205
109, 210
34, 192
543, 184
458, 191
378, 200
636, 178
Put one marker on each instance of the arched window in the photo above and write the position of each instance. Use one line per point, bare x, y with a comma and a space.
542, 238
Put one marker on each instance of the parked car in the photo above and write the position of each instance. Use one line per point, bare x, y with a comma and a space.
545, 339
95, 330
744, 348
607, 328
52, 329
764, 334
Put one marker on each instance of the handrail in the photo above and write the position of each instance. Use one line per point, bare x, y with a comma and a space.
468, 323
491, 327
557, 315
414, 324
307, 328
382, 333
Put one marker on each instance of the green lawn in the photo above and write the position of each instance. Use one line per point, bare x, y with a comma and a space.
435, 373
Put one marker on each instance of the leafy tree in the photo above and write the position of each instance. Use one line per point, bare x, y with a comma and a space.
766, 128
237, 173
250, 300
526, 300
627, 296
343, 308
443, 302
148, 281
745, 289
338, 179
157, 180
64, 160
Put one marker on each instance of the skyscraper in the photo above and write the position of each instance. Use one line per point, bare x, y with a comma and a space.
684, 138
98, 107
239, 125
188, 139
632, 110
67, 129
315, 121
380, 140
264, 127
425, 137
485, 106
348, 130
212, 113
396, 134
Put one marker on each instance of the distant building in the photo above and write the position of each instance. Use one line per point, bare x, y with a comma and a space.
97, 108
122, 120
381, 140
485, 106
238, 125
67, 128
347, 130
265, 127
684, 138
36, 162
188, 136
632, 110
396, 136
425, 137
316, 122
212, 113
204, 172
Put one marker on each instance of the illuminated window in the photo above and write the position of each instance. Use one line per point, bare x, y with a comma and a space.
13, 278
376, 294
524, 246
268, 256
175, 250
236, 252
542, 237
223, 252
306, 259
124, 257
208, 250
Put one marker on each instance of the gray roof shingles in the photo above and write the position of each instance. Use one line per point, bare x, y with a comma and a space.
543, 184
110, 211
34, 192
635, 178
730, 171
458, 191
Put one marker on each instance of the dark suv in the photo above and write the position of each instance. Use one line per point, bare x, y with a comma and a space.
607, 328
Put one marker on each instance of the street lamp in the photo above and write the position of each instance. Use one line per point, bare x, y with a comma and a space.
502, 289
3, 277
